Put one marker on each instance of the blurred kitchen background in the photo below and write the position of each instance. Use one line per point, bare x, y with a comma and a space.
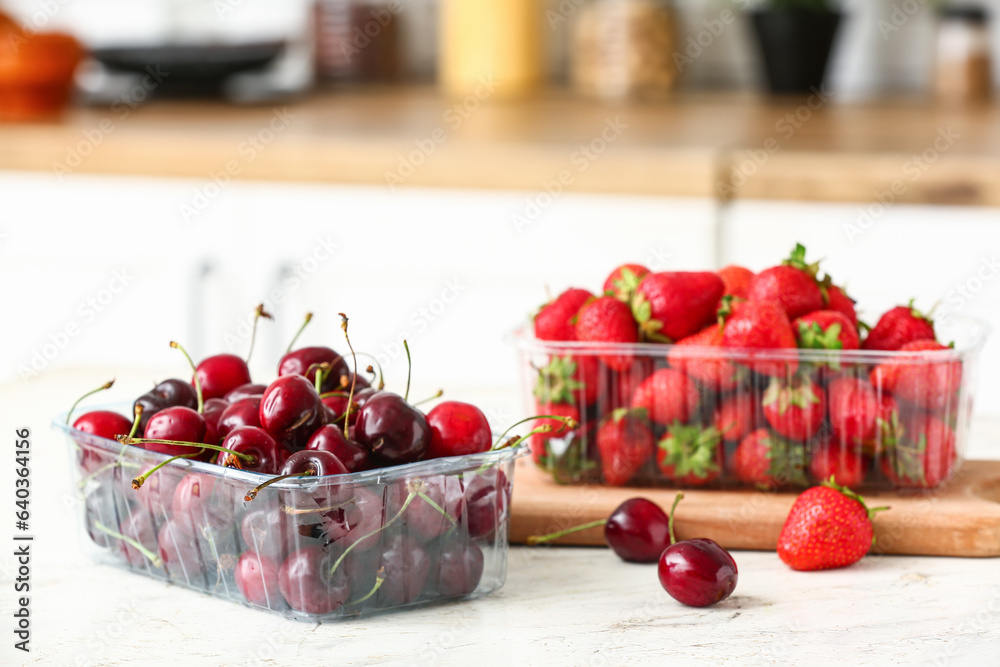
435, 168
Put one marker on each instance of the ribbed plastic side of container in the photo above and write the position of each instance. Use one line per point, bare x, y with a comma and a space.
691, 416
309, 549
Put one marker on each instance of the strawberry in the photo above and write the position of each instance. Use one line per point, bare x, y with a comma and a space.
554, 320
667, 396
607, 320
844, 464
690, 455
625, 444
888, 429
793, 284
794, 409
760, 326
927, 383
620, 386
828, 526
714, 373
769, 461
569, 379
854, 409
736, 416
897, 327
837, 299
735, 280
624, 280
925, 457
826, 330
673, 305
540, 441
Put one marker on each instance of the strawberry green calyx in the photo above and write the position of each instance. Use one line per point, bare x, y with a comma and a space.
798, 260
831, 483
726, 307
621, 413
649, 329
926, 317
788, 462
812, 336
801, 396
625, 285
556, 383
691, 450
891, 430
908, 461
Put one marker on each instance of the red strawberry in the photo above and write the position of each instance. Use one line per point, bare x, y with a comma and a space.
925, 457
624, 280
826, 330
736, 416
761, 325
897, 327
929, 383
792, 284
667, 396
540, 441
795, 410
838, 300
854, 409
706, 366
569, 379
554, 320
621, 386
673, 305
769, 461
828, 526
736, 280
607, 320
888, 429
625, 443
690, 455
844, 464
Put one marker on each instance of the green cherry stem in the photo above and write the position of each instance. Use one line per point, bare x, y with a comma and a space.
248, 458
258, 313
280, 478
542, 539
409, 499
153, 558
439, 394
409, 369
136, 420
141, 479
568, 421
194, 370
106, 385
379, 578
298, 333
296, 511
515, 441
670, 522
354, 378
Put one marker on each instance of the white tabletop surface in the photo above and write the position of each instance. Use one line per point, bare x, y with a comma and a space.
569, 606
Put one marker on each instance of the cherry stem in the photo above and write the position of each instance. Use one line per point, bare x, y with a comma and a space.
409, 369
260, 487
106, 385
136, 420
670, 522
107, 466
439, 394
321, 370
298, 333
249, 458
258, 313
568, 421
141, 479
409, 499
379, 578
542, 539
194, 371
296, 511
438, 508
380, 375
354, 379
515, 441
153, 558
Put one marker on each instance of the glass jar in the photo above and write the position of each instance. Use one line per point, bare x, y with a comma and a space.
963, 69
357, 40
624, 49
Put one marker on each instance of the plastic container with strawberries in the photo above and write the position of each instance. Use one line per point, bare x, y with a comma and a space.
729, 378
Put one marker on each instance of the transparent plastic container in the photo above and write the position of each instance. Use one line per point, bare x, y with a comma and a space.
311, 549
717, 418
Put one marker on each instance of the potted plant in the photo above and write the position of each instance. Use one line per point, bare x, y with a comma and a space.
795, 38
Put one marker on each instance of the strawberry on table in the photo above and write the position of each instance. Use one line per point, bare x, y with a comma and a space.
769, 461
667, 396
736, 280
736, 416
844, 464
690, 455
624, 280
829, 526
707, 367
569, 379
899, 326
925, 457
625, 443
761, 326
554, 320
854, 409
540, 441
793, 284
826, 330
607, 320
673, 305
794, 409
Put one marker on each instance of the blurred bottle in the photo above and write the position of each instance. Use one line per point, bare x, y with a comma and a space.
491, 41
357, 40
36, 71
963, 71
624, 49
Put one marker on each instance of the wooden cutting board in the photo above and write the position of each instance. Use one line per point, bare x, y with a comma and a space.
962, 519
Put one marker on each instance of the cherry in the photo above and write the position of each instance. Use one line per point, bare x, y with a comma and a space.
245, 391
460, 567
330, 438
158, 492
180, 553
307, 585
103, 424
267, 455
393, 431
407, 567
696, 572
304, 361
197, 504
166, 394
457, 429
244, 412
290, 411
269, 532
638, 531
421, 519
358, 523
174, 423
138, 528
214, 407
257, 578
487, 498
221, 373
306, 463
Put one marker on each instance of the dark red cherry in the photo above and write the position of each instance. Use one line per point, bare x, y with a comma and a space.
407, 567
196, 506
460, 567
290, 411
175, 423
157, 494
638, 531
180, 553
394, 431
245, 391
299, 362
220, 374
357, 520
331, 438
138, 526
255, 442
697, 572
487, 497
269, 531
421, 519
166, 394
257, 579
457, 429
214, 407
305, 582
244, 412
319, 463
